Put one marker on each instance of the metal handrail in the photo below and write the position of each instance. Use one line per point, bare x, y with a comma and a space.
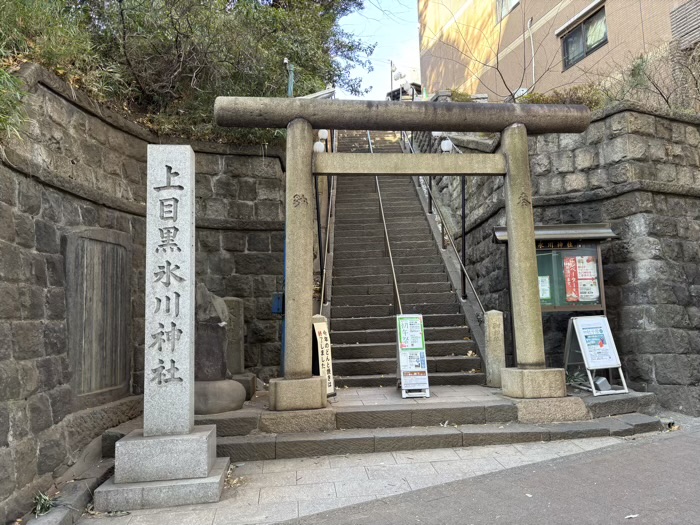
397, 296
449, 234
331, 209
331, 206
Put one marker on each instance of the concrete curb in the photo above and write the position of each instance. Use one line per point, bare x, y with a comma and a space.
75, 495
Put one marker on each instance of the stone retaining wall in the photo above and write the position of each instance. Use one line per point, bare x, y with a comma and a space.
72, 257
641, 173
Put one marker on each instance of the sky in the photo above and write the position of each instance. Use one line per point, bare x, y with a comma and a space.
393, 25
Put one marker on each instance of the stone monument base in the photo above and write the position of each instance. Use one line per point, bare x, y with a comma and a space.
164, 471
143, 458
153, 494
526, 383
298, 394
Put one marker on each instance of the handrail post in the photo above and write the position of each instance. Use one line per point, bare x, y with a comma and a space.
318, 227
430, 194
464, 236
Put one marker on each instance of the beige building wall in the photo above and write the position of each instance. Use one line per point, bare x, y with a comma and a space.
464, 47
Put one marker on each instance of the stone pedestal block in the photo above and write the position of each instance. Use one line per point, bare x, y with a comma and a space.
495, 349
155, 458
153, 494
210, 352
552, 410
298, 394
215, 397
249, 382
235, 327
533, 383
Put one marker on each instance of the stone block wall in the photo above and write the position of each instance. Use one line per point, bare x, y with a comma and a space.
641, 173
72, 222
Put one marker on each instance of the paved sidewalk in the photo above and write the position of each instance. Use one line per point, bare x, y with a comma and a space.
649, 480
278, 490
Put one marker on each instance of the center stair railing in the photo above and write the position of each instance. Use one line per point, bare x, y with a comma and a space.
397, 297
444, 228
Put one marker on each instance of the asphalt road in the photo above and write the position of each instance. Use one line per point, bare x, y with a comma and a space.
648, 480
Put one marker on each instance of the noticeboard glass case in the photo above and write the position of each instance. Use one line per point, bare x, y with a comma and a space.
569, 276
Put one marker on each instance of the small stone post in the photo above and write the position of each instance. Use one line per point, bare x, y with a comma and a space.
531, 379
298, 390
170, 462
495, 348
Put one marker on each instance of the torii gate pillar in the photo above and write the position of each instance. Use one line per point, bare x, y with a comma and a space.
299, 390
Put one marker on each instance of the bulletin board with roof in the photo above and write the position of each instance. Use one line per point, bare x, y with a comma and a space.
569, 266
570, 279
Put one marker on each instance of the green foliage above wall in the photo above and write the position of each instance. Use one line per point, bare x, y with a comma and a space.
164, 61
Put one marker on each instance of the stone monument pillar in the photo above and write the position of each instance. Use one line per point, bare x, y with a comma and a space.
170, 462
530, 379
299, 390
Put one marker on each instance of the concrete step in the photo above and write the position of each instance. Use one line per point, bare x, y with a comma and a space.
426, 415
351, 237
338, 312
355, 262
354, 235
410, 298
387, 365
373, 205
388, 288
379, 253
441, 333
412, 218
378, 244
411, 437
345, 201
378, 350
399, 269
375, 323
389, 213
389, 380
251, 420
361, 280
370, 207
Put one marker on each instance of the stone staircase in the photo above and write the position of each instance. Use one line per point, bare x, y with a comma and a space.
254, 433
363, 331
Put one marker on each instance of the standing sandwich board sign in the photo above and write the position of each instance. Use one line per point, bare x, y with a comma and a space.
589, 342
411, 361
323, 346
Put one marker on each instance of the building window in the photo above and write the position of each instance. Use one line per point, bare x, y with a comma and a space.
503, 7
585, 38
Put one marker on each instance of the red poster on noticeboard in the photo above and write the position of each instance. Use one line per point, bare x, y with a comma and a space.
581, 279
571, 279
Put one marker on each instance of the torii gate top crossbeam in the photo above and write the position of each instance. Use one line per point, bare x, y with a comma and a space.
260, 112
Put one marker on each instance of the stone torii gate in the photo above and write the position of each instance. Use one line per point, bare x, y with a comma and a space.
299, 389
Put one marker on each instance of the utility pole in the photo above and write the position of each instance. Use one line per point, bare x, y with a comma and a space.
391, 79
290, 78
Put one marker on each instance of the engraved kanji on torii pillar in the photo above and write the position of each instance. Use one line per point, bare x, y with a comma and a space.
170, 286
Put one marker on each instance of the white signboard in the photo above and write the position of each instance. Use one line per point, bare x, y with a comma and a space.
596, 342
589, 339
325, 362
411, 359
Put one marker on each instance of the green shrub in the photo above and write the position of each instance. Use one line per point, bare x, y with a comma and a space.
165, 61
587, 94
12, 115
460, 96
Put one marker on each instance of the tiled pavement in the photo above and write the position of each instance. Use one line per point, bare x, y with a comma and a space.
278, 490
